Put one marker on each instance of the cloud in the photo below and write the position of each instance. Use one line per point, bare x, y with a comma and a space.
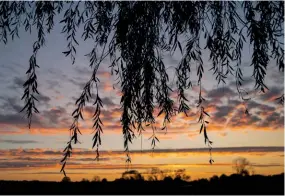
15, 119
11, 104
277, 77
104, 74
247, 82
217, 94
83, 152
54, 118
108, 102
54, 114
260, 106
223, 134
83, 70
88, 71
43, 98
240, 119
78, 82
271, 94
273, 120
53, 83
267, 165
222, 113
18, 82
19, 141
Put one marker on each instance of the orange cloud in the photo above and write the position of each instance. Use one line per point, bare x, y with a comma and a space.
108, 87
104, 74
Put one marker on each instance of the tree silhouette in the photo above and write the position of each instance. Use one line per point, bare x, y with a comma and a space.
84, 180
136, 36
242, 166
66, 179
132, 175
96, 179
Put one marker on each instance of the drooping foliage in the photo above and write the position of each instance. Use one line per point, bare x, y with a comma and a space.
136, 36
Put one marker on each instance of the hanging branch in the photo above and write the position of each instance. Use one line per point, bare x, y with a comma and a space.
31, 83
204, 123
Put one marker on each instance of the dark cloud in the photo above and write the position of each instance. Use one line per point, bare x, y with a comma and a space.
10, 68
11, 104
54, 115
261, 115
29, 164
217, 94
241, 119
34, 159
78, 82
272, 93
83, 70
87, 72
274, 120
15, 119
267, 165
46, 119
52, 84
9, 164
102, 159
43, 99
18, 82
254, 149
248, 81
106, 113
223, 111
278, 78
108, 102
255, 105
19, 141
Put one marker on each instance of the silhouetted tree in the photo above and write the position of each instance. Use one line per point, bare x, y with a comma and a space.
84, 180
214, 178
96, 179
136, 36
104, 180
132, 175
181, 174
242, 166
156, 174
168, 179
66, 179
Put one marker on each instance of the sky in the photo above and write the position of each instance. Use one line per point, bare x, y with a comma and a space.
35, 154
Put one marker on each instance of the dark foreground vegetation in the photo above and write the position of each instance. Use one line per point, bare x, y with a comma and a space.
233, 184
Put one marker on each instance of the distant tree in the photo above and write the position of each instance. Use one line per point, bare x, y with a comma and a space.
136, 35
132, 175
181, 174
66, 179
156, 174
242, 166
84, 180
96, 179
104, 180
214, 178
168, 179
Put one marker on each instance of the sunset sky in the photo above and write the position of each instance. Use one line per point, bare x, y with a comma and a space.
35, 154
